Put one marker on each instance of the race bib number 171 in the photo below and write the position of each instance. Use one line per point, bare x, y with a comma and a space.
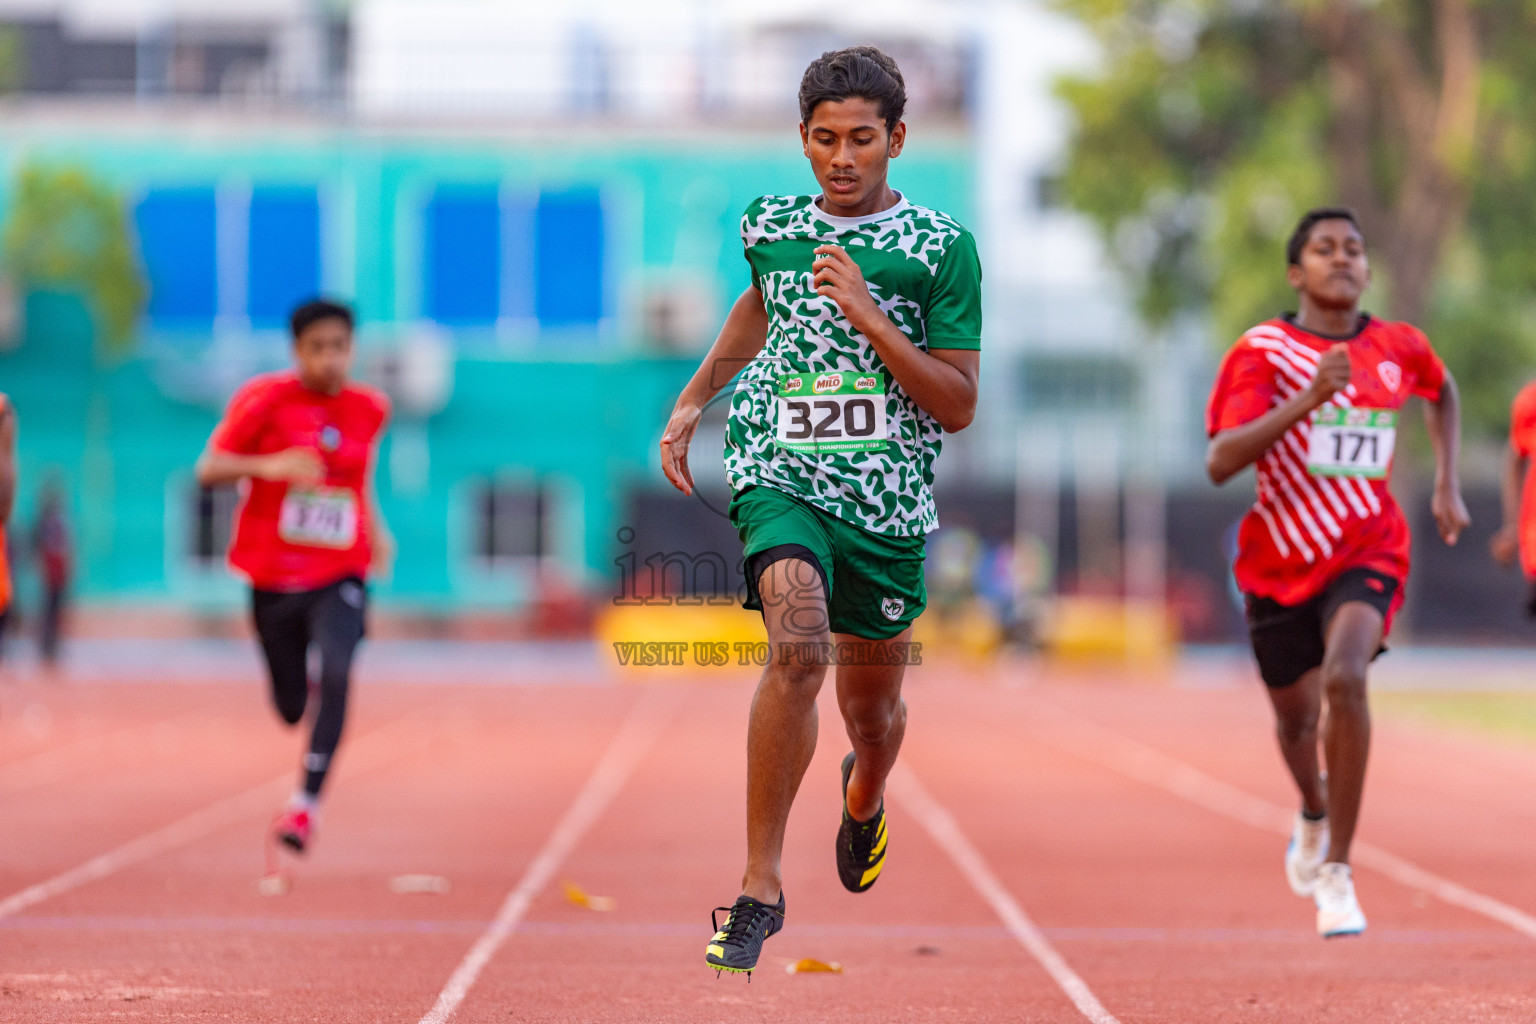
832, 412
1352, 442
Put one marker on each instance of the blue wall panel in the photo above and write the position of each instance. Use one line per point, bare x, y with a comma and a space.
462, 257
177, 236
568, 258
284, 265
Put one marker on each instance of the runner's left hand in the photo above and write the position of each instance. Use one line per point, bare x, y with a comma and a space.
1450, 513
1505, 544
381, 562
839, 278
674, 445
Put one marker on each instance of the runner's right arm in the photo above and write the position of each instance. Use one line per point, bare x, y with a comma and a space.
740, 340
293, 465
7, 459
1235, 448
231, 455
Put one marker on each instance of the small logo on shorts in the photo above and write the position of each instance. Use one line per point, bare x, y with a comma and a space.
893, 607
330, 439
352, 594
1391, 374
1376, 585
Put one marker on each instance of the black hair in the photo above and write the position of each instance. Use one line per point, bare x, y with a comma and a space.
865, 72
316, 310
1309, 220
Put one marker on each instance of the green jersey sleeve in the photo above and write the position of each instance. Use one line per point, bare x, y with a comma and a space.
751, 221
952, 316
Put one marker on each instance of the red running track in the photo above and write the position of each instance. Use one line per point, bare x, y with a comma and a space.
1132, 832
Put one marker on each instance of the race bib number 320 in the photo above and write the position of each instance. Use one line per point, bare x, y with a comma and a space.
323, 518
1352, 442
832, 412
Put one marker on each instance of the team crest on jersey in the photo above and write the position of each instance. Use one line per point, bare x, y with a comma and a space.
892, 607
1391, 374
330, 439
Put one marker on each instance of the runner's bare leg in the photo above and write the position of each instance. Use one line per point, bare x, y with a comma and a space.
1354, 637
781, 733
869, 696
1297, 709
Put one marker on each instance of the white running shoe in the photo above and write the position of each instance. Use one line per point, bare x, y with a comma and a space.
1309, 845
1338, 912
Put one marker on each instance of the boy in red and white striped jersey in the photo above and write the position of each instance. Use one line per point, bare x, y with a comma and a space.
1311, 400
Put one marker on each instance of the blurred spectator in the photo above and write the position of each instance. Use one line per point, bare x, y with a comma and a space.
952, 570
51, 546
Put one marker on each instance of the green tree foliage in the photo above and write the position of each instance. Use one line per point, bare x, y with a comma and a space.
68, 230
11, 59
1211, 125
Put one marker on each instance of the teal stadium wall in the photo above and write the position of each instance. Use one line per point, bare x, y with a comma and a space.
577, 408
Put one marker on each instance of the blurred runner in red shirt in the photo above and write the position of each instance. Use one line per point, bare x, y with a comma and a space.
1516, 537
302, 446
1311, 401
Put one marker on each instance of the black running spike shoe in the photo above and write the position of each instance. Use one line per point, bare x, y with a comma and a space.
738, 943
860, 844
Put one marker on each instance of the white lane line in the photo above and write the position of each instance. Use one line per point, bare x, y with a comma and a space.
628, 747
1154, 768
945, 831
189, 829
1415, 877
363, 754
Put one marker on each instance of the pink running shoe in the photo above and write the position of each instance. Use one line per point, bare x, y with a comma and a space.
293, 827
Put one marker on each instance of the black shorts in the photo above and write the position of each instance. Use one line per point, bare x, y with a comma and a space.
1288, 640
333, 617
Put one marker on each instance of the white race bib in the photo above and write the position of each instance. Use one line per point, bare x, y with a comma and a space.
840, 411
1352, 442
325, 517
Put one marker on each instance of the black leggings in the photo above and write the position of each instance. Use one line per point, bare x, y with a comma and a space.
332, 619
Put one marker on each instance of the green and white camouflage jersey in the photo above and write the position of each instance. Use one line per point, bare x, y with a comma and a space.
817, 414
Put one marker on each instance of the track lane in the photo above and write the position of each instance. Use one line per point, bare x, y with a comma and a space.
1111, 852
470, 797
919, 946
1167, 911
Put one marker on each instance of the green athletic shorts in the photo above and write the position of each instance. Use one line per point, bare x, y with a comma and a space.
874, 583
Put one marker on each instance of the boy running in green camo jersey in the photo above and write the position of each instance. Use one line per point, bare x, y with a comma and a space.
859, 346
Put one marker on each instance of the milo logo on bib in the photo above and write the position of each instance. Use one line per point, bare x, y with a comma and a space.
832, 412
828, 382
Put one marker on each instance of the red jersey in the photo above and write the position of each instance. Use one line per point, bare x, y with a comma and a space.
303, 538
1522, 438
1323, 505
5, 574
